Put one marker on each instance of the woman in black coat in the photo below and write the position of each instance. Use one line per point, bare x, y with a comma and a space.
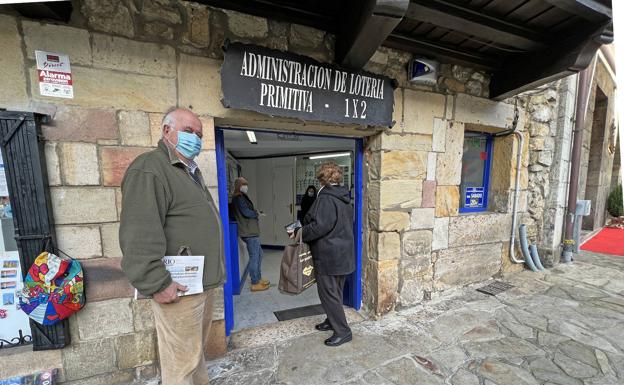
307, 201
328, 230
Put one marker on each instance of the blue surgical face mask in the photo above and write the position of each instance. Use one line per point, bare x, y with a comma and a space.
189, 145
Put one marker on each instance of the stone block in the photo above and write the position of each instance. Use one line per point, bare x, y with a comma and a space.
143, 315
81, 242
218, 307
440, 236
14, 89
88, 359
217, 345
417, 243
476, 229
422, 218
247, 26
122, 54
108, 16
403, 165
118, 201
52, 164
384, 246
407, 142
388, 220
195, 76
419, 110
81, 124
160, 30
22, 360
122, 91
105, 319
400, 194
207, 162
429, 193
105, 280
416, 278
464, 265
397, 112
306, 37
431, 166
79, 164
161, 11
449, 163
110, 240
58, 38
439, 135
447, 201
197, 28
115, 162
507, 266
137, 349
95, 205
134, 128
208, 131
383, 281
155, 121
484, 112
117, 377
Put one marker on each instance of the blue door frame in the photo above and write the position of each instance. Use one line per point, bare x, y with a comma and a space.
353, 285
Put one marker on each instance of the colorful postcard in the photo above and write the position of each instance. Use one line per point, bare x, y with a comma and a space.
8, 298
8, 273
8, 285
10, 264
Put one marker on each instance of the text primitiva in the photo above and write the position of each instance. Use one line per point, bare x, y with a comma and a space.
293, 73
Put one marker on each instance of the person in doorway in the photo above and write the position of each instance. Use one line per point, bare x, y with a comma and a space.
307, 200
249, 230
328, 229
166, 206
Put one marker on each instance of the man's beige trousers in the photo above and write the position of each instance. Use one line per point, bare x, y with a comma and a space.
183, 329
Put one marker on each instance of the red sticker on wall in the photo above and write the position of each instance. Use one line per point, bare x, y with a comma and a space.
483, 155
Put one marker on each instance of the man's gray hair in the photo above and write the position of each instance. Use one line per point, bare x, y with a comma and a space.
168, 118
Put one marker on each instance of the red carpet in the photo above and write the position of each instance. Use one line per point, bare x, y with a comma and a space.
607, 241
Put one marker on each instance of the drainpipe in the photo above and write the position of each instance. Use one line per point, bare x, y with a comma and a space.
582, 99
514, 217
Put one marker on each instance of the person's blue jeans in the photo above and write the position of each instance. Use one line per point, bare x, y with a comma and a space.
255, 258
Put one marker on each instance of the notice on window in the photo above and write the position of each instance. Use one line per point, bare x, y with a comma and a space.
54, 72
187, 270
474, 197
12, 318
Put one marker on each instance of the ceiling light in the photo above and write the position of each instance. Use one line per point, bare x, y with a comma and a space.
252, 137
336, 155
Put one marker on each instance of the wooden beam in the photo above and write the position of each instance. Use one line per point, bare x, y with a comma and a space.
526, 72
58, 10
476, 23
587, 9
368, 23
442, 52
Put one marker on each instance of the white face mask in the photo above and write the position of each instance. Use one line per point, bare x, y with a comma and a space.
311, 193
244, 189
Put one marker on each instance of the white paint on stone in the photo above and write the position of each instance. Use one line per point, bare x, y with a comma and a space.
440, 233
431, 166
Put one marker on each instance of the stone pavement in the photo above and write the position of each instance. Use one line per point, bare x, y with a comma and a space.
565, 326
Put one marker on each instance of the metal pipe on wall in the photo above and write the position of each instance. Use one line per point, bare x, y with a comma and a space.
582, 100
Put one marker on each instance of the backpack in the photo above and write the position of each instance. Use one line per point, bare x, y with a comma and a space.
53, 289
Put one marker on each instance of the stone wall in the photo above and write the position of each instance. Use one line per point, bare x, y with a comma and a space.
131, 60
419, 244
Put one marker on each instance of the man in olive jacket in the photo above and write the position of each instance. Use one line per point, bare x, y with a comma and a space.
166, 206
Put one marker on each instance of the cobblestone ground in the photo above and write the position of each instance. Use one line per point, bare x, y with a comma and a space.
565, 326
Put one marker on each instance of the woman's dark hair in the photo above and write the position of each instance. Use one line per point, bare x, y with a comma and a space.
329, 173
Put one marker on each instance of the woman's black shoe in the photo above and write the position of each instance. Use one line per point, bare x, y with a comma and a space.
337, 340
324, 326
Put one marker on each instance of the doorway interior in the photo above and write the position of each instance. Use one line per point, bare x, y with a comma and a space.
279, 167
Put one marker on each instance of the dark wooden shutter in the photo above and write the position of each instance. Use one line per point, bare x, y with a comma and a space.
24, 159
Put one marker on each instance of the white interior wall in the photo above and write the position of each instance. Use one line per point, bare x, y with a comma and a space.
259, 174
